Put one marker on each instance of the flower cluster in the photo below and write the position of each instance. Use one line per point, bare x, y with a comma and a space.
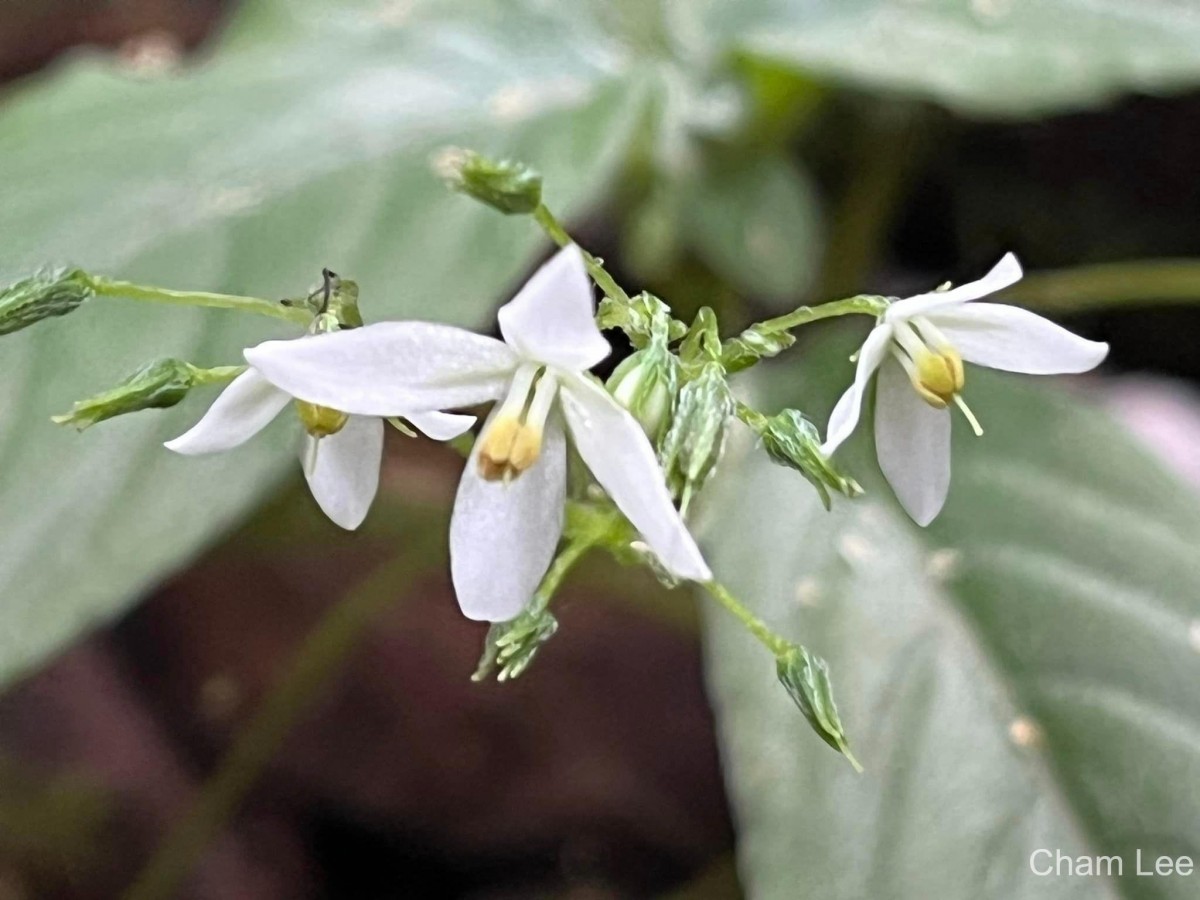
648, 440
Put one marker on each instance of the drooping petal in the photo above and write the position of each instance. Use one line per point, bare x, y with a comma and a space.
552, 318
390, 368
912, 441
1005, 273
441, 426
241, 411
503, 536
343, 469
616, 449
1014, 339
844, 418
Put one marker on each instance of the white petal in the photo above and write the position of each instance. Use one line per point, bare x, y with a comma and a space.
242, 410
1016, 340
441, 426
912, 441
616, 449
844, 418
343, 469
390, 368
552, 318
503, 536
1005, 273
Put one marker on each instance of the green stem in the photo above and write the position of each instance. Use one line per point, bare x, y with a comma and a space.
216, 375
106, 287
863, 304
1112, 284
595, 266
756, 626
323, 652
563, 563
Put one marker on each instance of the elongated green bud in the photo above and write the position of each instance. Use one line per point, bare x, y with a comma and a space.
509, 186
792, 440
696, 438
805, 676
645, 384
156, 385
49, 293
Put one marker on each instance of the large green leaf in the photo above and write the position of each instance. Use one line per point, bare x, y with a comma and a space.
1022, 675
988, 57
304, 141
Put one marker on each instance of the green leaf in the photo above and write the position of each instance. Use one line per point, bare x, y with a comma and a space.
1021, 675
980, 57
756, 222
304, 140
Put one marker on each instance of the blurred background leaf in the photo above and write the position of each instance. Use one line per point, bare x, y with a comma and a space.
1018, 676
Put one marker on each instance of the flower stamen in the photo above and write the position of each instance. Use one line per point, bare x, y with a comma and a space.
513, 441
321, 421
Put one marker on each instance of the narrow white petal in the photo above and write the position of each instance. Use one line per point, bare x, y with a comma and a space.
1005, 273
343, 469
241, 411
912, 441
844, 418
441, 426
503, 536
1016, 340
616, 449
390, 368
552, 318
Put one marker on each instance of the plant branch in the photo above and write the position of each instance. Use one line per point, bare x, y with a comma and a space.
106, 287
595, 266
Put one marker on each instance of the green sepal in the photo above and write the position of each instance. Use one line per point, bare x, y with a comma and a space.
643, 318
506, 185
805, 676
792, 440
48, 293
511, 646
702, 343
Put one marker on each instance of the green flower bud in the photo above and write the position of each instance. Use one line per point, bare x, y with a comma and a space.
645, 384
792, 440
693, 445
805, 676
509, 186
512, 645
156, 385
51, 292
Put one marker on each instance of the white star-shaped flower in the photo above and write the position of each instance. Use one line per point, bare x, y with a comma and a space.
508, 515
918, 347
340, 454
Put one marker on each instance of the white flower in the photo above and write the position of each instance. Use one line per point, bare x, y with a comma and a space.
340, 454
508, 515
919, 345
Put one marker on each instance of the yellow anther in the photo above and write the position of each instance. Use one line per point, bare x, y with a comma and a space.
939, 375
320, 421
509, 448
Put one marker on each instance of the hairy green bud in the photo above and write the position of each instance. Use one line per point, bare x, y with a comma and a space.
49, 293
512, 645
156, 385
693, 444
509, 186
645, 384
792, 440
805, 676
